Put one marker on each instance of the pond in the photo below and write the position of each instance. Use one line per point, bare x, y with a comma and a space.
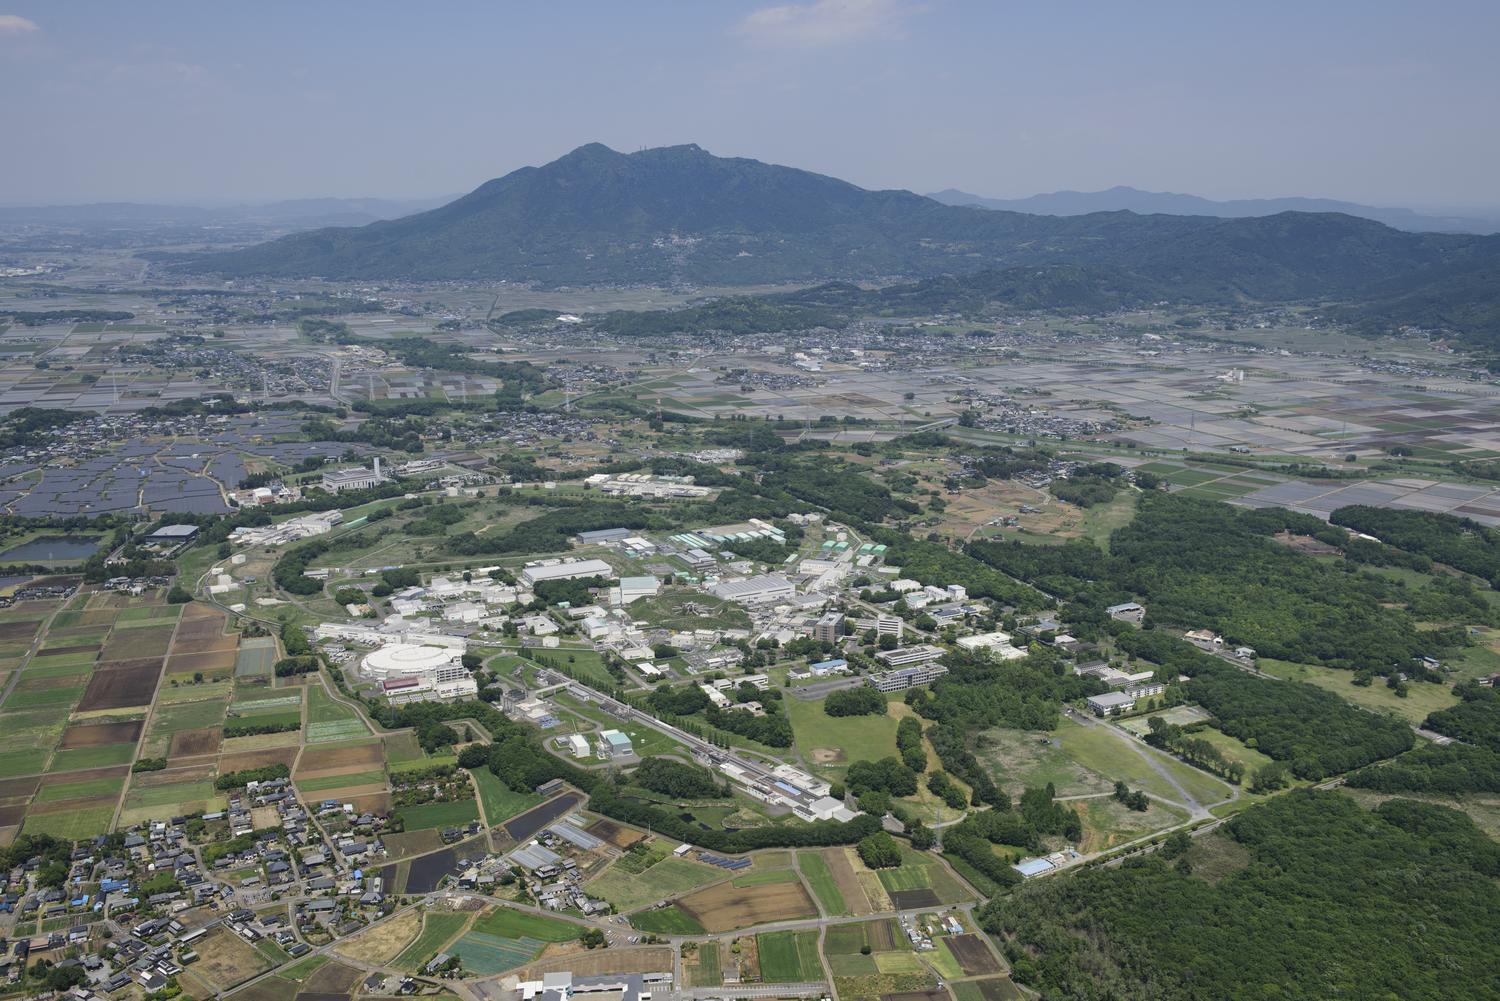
53, 549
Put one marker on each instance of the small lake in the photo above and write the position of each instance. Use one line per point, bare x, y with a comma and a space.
52, 549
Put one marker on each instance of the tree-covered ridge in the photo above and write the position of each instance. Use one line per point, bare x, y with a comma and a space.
1475, 720
1314, 731
1201, 564
1459, 542
1452, 770
1335, 902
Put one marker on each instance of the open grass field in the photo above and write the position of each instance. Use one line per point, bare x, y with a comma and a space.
671, 876
788, 957
766, 878
725, 907
1423, 697
1116, 758
438, 929
439, 815
1018, 759
830, 743
1107, 823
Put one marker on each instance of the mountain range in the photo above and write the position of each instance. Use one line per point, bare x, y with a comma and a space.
680, 214
1121, 198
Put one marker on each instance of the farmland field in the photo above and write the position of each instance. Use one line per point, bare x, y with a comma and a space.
439, 815
438, 928
789, 957
725, 907
627, 891
815, 870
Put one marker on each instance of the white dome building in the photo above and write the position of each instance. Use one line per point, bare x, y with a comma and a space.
412, 660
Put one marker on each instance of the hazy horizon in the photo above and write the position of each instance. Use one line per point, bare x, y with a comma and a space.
177, 103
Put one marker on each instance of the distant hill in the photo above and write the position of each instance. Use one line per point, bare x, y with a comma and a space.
680, 214
1121, 198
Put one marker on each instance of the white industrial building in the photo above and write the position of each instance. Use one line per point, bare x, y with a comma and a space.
302, 527
996, 644
757, 590
419, 671
566, 570
357, 478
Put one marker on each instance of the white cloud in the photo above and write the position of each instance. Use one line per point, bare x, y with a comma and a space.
15, 24
825, 22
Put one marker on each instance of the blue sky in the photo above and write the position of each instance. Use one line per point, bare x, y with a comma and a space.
1388, 103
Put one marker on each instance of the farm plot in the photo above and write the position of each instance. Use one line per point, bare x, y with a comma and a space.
98, 756
457, 813
438, 929
851, 939
225, 959
242, 760
95, 734
341, 760
195, 743
789, 957
122, 684
627, 891
144, 802
329, 721
131, 644
256, 658
75, 821
499, 802
385, 941
825, 886
615, 833
725, 907
973, 956
988, 989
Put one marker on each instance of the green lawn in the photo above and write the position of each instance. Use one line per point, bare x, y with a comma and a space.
438, 815
853, 738
815, 870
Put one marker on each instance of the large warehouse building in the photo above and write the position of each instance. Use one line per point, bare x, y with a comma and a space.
567, 571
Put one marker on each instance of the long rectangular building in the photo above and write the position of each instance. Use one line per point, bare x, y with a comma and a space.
755, 590
906, 677
567, 571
